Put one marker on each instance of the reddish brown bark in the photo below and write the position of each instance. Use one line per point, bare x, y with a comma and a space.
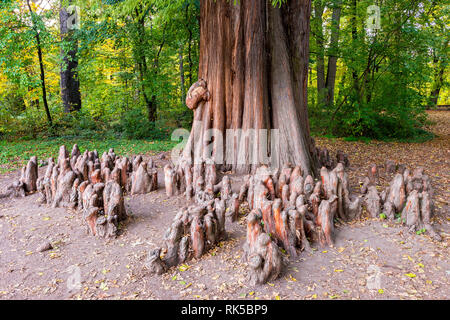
253, 58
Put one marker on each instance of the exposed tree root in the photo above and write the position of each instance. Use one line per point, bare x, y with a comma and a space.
408, 195
194, 231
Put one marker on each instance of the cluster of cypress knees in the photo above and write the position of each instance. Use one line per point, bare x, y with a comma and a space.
93, 185
289, 210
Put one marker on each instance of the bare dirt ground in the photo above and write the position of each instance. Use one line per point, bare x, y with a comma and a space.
371, 259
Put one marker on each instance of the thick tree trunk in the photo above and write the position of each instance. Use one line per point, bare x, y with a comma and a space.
70, 85
254, 59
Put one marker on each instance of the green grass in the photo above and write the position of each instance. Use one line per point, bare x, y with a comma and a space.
15, 154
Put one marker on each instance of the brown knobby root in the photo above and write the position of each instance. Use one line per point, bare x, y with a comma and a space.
372, 202
373, 174
342, 157
154, 263
199, 182
16, 190
197, 92
261, 253
170, 180
409, 195
27, 183
143, 181
325, 220
194, 230
95, 186
293, 208
390, 167
30, 175
65, 180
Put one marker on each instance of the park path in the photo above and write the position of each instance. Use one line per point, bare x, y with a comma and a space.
371, 259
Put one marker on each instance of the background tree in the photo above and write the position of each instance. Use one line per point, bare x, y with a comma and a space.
383, 76
130, 53
70, 85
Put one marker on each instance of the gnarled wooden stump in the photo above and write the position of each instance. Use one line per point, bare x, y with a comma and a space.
30, 175
262, 254
142, 181
194, 230
65, 181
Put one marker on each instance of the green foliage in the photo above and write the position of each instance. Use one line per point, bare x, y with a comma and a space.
134, 125
129, 54
421, 231
384, 76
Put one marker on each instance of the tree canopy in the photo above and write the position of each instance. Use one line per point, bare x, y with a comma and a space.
137, 59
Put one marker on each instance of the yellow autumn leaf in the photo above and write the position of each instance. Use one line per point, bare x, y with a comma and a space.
183, 267
411, 275
338, 270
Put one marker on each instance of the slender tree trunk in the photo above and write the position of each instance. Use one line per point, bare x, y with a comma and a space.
436, 88
333, 54
183, 94
438, 81
70, 85
354, 39
254, 58
320, 56
141, 60
41, 67
188, 27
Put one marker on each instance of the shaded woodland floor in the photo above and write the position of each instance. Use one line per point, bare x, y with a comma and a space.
410, 266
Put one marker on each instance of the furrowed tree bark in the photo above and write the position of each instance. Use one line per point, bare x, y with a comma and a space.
254, 60
70, 85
